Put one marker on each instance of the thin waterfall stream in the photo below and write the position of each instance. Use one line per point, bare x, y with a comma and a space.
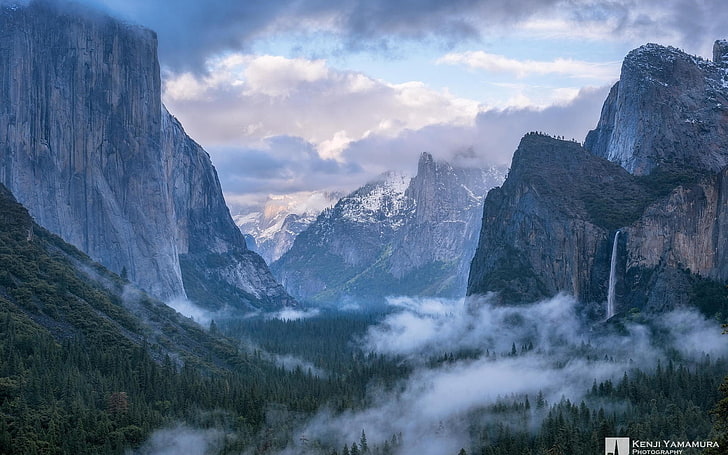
612, 278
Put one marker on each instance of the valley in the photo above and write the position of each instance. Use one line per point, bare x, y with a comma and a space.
446, 305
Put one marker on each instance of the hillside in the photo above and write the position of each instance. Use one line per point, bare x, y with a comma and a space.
92, 365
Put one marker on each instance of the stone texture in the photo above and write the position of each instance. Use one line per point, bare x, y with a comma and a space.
550, 227
88, 148
667, 108
395, 236
538, 238
217, 268
720, 52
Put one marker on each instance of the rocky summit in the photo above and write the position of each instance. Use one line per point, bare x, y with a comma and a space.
394, 236
654, 169
668, 108
87, 146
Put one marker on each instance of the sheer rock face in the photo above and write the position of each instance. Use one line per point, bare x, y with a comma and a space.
88, 148
394, 236
668, 107
657, 172
550, 228
538, 238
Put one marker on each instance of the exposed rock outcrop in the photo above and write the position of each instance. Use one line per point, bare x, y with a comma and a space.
550, 227
394, 236
540, 232
667, 108
88, 148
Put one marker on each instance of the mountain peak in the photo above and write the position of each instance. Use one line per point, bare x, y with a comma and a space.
668, 108
720, 52
426, 163
425, 158
393, 236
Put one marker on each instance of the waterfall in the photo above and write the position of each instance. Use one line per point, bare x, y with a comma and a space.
612, 278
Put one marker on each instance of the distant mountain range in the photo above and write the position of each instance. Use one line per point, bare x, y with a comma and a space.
394, 236
271, 231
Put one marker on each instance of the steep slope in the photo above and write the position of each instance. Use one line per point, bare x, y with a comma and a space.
667, 108
62, 290
394, 236
91, 365
88, 148
550, 228
271, 231
217, 268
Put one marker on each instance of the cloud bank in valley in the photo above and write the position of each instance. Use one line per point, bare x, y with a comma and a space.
433, 406
182, 439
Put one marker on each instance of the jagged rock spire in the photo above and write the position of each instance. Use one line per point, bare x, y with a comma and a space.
720, 52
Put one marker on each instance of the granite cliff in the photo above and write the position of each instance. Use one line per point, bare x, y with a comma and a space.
87, 146
394, 236
667, 108
654, 169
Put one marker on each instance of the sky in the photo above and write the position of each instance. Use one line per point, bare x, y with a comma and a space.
296, 96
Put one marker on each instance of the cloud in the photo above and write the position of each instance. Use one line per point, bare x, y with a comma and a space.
182, 439
198, 314
690, 25
244, 98
277, 125
606, 72
280, 164
276, 76
563, 355
194, 30
491, 139
289, 314
293, 363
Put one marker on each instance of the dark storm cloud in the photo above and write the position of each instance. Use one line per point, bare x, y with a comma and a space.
190, 30
691, 24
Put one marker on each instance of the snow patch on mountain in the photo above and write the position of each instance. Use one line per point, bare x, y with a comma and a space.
271, 230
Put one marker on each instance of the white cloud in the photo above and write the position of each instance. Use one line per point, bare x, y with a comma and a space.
290, 314
182, 439
608, 71
300, 125
433, 405
277, 76
280, 165
244, 99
